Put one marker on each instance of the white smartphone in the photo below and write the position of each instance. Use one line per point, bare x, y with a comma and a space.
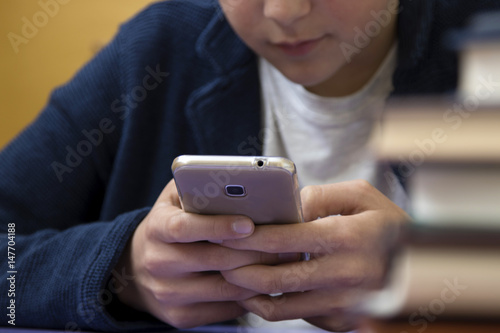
265, 189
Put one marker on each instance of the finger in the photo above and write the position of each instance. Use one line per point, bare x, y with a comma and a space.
337, 306
169, 223
302, 276
345, 198
325, 236
368, 232
334, 273
199, 314
203, 256
202, 288
184, 227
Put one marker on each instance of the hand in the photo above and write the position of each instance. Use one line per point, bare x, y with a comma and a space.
348, 246
176, 270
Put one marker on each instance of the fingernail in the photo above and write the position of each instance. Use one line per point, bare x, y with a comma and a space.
243, 226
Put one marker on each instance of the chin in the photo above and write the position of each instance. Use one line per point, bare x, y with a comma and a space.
309, 74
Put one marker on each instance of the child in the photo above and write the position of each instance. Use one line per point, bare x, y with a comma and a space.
102, 244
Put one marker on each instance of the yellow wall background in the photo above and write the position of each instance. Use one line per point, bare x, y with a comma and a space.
70, 32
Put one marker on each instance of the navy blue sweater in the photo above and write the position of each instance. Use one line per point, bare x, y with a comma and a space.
176, 79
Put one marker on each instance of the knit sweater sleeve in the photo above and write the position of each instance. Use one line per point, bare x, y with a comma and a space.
53, 178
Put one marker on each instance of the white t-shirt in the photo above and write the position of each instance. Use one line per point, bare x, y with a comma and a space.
328, 138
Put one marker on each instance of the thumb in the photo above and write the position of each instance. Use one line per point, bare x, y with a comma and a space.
172, 225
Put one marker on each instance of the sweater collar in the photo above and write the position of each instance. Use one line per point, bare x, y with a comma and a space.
414, 29
225, 111
220, 45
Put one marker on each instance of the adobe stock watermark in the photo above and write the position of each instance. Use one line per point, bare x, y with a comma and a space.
452, 118
421, 318
213, 188
31, 26
372, 29
121, 107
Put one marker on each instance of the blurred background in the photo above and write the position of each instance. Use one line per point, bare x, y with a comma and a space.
43, 43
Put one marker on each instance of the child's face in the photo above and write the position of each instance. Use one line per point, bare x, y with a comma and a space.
309, 41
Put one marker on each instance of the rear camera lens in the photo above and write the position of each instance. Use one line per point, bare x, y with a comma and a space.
235, 190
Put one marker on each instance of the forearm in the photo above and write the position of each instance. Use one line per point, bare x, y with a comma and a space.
63, 279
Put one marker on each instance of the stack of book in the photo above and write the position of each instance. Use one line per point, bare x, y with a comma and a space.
447, 150
448, 261
448, 157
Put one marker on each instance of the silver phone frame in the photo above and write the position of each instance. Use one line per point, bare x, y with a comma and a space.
247, 163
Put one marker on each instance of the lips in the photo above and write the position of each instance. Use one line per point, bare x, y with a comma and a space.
300, 48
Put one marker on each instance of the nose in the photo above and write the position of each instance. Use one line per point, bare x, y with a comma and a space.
286, 12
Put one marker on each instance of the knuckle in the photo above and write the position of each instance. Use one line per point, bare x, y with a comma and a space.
352, 277
162, 224
340, 242
363, 188
269, 313
350, 281
363, 184
333, 309
181, 318
175, 227
150, 225
349, 236
271, 285
166, 293
240, 294
151, 263
341, 321
229, 291
311, 190
154, 288
214, 229
352, 240
156, 263
225, 290
217, 228
338, 307
309, 198
308, 193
